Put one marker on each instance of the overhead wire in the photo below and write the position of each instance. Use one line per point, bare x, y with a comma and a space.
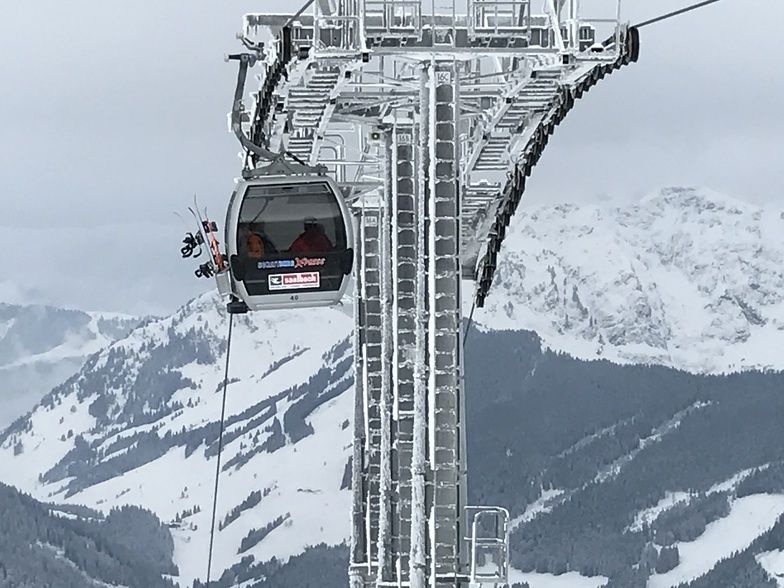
220, 448
299, 13
470, 321
674, 13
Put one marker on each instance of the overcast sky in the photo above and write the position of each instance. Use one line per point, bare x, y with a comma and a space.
115, 113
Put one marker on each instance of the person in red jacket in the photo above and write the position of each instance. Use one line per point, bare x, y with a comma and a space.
312, 239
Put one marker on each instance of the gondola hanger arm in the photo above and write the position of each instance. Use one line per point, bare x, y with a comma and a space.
246, 60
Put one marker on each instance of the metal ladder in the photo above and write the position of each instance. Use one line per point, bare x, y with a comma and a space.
535, 98
446, 451
404, 293
309, 108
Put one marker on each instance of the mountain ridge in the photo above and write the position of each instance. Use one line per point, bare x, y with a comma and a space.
687, 278
40, 346
139, 423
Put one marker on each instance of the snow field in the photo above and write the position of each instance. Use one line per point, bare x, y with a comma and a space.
773, 563
749, 518
568, 580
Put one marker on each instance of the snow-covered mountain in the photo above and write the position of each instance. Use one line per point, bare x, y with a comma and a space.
139, 423
41, 346
686, 278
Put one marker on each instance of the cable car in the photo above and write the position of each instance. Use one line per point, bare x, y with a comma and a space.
288, 241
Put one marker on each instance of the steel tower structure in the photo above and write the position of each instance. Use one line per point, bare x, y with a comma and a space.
431, 115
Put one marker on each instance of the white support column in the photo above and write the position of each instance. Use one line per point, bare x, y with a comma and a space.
406, 257
385, 229
358, 558
556, 25
439, 489
419, 469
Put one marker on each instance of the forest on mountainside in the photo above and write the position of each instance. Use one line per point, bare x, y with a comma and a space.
613, 440
41, 546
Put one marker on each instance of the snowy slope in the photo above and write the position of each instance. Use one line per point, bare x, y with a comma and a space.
750, 517
148, 406
686, 278
568, 580
773, 563
41, 346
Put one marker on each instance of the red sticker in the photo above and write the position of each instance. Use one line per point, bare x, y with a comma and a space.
293, 281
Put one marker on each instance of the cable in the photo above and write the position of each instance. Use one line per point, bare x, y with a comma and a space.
676, 13
220, 448
470, 320
297, 15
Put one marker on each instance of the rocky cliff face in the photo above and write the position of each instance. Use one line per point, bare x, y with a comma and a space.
686, 278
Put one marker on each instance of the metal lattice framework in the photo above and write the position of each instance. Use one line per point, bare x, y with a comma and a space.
431, 116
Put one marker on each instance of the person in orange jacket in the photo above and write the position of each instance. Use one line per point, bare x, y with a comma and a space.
257, 243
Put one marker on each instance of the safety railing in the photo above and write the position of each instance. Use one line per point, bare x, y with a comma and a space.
591, 29
390, 17
488, 544
341, 30
499, 17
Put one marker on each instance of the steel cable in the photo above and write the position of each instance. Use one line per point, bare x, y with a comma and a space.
675, 13
220, 448
470, 320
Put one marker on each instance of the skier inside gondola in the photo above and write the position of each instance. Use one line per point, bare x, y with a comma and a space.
257, 243
313, 239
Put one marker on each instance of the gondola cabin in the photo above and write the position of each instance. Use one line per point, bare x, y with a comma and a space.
289, 241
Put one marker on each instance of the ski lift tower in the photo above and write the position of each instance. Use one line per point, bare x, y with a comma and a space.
430, 114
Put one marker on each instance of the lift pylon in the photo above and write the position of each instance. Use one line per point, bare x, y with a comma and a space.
430, 115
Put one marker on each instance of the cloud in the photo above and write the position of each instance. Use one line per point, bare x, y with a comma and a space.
133, 268
115, 112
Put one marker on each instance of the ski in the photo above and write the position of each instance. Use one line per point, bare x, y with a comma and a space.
207, 230
211, 228
207, 269
192, 243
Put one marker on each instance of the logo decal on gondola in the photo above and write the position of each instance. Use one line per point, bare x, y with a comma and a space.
275, 264
294, 281
309, 261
